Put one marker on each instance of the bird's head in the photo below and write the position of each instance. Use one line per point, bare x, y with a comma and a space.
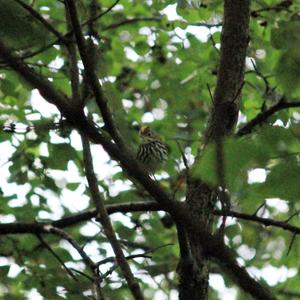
147, 135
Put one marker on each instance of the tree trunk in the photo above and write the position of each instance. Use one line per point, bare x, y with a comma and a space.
194, 266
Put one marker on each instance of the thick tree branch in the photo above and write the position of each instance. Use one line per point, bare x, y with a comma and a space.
16, 228
105, 221
234, 42
213, 248
73, 67
44, 86
263, 116
92, 77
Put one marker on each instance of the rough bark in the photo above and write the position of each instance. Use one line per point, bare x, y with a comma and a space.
234, 42
200, 200
194, 267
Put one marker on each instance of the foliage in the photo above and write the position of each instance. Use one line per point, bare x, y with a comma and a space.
155, 70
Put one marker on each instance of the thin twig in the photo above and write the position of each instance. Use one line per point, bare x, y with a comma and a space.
56, 256
185, 161
291, 244
83, 274
113, 259
95, 18
210, 93
281, 6
292, 216
89, 263
79, 249
258, 73
238, 91
259, 207
263, 221
290, 294
207, 25
43, 21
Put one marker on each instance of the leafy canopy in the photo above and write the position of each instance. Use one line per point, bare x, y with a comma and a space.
154, 67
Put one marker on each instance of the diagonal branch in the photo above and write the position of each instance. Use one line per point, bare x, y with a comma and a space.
89, 263
43, 21
102, 14
105, 221
56, 256
92, 77
156, 19
44, 86
263, 116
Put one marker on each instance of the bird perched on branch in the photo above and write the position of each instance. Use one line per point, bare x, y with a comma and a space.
152, 152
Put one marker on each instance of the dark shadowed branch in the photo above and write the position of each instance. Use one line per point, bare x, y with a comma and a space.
262, 117
234, 43
42, 20
92, 77
48, 247
36, 227
105, 221
89, 263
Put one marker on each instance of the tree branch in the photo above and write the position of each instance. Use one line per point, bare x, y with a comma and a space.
89, 263
290, 294
234, 42
93, 19
44, 86
264, 221
92, 77
16, 228
73, 67
132, 21
156, 19
263, 116
105, 221
56, 256
43, 21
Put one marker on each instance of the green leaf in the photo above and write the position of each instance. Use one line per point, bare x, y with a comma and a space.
238, 155
288, 71
73, 186
141, 47
286, 35
60, 155
18, 28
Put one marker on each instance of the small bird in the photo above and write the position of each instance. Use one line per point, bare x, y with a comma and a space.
152, 152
